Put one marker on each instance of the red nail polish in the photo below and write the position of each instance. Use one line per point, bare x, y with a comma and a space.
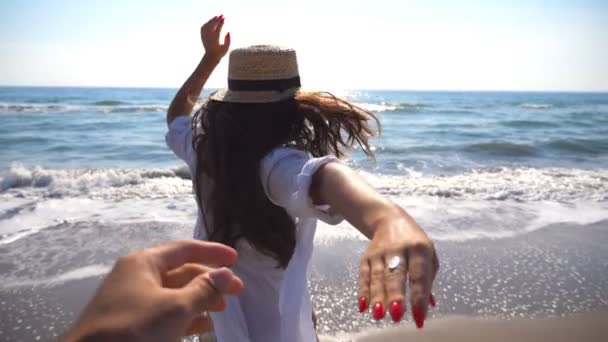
362, 304
418, 314
396, 310
432, 300
378, 312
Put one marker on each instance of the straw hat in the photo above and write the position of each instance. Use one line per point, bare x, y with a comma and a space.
260, 74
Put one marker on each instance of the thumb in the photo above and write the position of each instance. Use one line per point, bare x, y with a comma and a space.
206, 290
221, 278
226, 44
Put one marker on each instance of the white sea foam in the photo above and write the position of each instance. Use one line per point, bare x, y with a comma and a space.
107, 183
84, 272
535, 105
101, 107
79, 273
519, 184
485, 203
377, 107
390, 107
46, 212
448, 219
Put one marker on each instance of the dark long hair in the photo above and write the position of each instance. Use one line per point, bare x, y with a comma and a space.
230, 139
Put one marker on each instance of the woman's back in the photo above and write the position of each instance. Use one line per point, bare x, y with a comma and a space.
257, 153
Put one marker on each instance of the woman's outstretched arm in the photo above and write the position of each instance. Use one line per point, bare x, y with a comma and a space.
393, 234
188, 94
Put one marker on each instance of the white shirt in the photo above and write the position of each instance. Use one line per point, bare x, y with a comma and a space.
275, 304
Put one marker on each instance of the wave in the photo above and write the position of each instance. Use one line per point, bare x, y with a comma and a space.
109, 103
480, 203
537, 106
571, 147
96, 107
94, 182
522, 184
503, 149
581, 146
529, 124
392, 107
519, 183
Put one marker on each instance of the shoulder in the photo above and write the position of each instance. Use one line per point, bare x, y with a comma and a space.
280, 155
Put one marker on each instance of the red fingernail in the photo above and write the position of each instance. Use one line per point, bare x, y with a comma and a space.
396, 310
418, 314
362, 304
378, 312
432, 300
228, 35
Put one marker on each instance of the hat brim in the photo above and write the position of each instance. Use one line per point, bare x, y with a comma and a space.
227, 95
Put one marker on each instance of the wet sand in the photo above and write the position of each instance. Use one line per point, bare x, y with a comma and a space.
505, 288
587, 327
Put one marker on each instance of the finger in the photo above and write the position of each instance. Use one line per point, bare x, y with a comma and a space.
183, 275
435, 270
364, 278
218, 27
378, 296
218, 306
226, 45
200, 325
176, 253
394, 283
210, 22
420, 272
216, 22
204, 291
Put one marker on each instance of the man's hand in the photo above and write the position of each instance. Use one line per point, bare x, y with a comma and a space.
159, 294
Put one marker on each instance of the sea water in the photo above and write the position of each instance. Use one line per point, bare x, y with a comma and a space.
82, 149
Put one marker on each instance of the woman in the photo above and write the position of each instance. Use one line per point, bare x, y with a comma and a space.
264, 160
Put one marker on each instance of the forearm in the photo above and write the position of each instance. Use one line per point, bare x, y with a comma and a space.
348, 194
188, 94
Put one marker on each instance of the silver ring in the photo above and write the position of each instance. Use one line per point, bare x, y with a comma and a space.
394, 262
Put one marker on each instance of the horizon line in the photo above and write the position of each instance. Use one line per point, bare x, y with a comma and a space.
341, 89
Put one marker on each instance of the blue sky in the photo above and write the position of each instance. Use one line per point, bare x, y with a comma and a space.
422, 44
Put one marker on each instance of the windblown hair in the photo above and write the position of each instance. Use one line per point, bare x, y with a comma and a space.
230, 139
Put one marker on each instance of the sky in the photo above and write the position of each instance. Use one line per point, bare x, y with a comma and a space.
341, 44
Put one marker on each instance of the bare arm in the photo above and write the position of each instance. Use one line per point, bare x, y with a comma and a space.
186, 96
393, 233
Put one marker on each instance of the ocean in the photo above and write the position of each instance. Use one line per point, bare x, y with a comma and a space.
512, 186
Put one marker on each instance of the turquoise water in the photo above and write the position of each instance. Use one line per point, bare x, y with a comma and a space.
422, 131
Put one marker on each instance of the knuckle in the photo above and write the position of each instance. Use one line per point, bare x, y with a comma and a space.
396, 297
377, 273
364, 273
365, 259
396, 275
424, 247
180, 307
129, 259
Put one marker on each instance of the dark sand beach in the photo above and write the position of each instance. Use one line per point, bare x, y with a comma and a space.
515, 287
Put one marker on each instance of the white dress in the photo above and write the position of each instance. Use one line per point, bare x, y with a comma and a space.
275, 304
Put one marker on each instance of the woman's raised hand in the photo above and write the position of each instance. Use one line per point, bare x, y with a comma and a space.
210, 36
